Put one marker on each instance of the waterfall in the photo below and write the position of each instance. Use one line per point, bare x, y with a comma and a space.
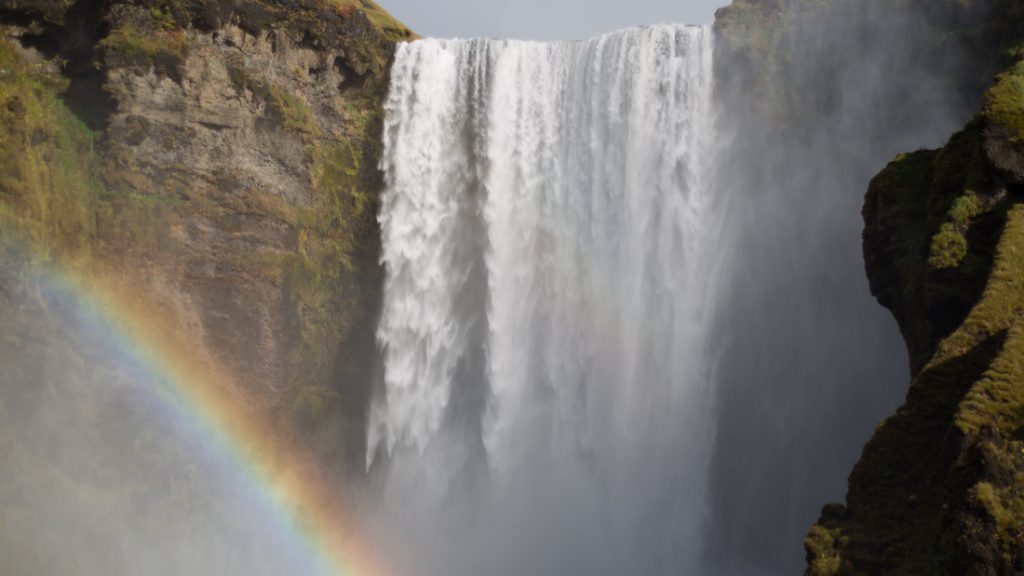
549, 230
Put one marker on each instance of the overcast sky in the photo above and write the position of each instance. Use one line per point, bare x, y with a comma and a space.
543, 19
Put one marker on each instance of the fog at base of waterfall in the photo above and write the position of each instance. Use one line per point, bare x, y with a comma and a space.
549, 228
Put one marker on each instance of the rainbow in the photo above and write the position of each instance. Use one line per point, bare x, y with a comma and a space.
303, 510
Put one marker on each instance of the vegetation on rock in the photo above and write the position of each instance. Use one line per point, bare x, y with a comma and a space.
1004, 103
938, 488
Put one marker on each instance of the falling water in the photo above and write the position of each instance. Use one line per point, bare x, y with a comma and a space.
548, 231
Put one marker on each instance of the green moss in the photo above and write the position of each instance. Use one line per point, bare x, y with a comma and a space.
1002, 506
963, 209
995, 312
1004, 102
358, 118
821, 549
52, 198
162, 18
294, 112
263, 204
128, 45
949, 246
948, 249
47, 186
320, 301
336, 172
379, 17
998, 398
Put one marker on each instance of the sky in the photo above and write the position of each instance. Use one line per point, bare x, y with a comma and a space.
543, 19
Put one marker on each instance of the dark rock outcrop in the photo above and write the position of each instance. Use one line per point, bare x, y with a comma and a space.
938, 489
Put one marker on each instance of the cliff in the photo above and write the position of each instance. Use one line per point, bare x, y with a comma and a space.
214, 165
938, 488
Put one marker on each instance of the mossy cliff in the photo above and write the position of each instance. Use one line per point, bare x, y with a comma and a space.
939, 489
219, 158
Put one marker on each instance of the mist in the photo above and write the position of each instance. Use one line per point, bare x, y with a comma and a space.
105, 470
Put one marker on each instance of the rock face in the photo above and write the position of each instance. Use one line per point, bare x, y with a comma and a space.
939, 489
212, 166
220, 158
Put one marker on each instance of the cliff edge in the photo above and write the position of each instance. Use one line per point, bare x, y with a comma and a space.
940, 487
213, 166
